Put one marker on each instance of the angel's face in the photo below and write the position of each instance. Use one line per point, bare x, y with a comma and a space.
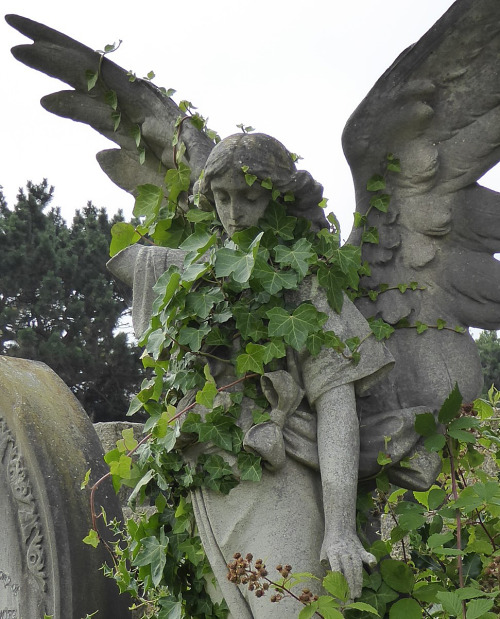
238, 204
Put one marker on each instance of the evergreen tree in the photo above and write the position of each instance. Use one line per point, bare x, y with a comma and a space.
58, 303
489, 352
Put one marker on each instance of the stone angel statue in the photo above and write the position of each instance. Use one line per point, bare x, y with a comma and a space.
437, 109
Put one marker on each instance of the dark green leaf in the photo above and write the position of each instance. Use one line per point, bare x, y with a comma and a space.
249, 466
298, 256
397, 575
405, 609
295, 327
451, 406
425, 424
154, 553
276, 220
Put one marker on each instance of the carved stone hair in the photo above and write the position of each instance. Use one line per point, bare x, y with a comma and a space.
266, 157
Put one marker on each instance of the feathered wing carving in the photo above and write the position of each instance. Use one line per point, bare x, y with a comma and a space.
140, 103
437, 108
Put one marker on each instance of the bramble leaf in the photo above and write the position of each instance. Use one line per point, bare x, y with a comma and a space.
451, 406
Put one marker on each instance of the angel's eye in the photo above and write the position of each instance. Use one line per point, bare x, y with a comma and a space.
221, 197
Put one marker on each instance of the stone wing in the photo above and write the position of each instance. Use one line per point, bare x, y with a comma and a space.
437, 109
147, 116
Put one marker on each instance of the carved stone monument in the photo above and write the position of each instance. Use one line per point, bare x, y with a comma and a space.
437, 110
47, 444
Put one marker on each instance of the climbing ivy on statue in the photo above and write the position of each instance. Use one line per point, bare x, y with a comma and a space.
226, 305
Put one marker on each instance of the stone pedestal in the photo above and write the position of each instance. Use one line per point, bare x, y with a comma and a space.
47, 443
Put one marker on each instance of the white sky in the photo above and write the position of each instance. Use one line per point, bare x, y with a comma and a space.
290, 68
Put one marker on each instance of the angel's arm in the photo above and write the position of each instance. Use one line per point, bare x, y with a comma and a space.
338, 450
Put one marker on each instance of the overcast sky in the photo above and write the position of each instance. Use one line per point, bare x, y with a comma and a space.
291, 68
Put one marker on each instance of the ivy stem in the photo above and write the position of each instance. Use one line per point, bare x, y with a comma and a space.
146, 239
454, 488
197, 352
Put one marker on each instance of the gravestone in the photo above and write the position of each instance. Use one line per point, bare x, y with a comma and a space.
47, 443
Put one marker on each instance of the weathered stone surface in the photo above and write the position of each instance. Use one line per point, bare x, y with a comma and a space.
47, 444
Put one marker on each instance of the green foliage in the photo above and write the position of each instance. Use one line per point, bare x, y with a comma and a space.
58, 303
230, 305
488, 346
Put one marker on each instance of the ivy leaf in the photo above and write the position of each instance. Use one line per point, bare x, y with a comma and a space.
251, 360
148, 201
295, 327
421, 327
153, 553
249, 466
193, 338
170, 609
249, 324
234, 262
199, 241
370, 236
165, 288
195, 271
217, 467
136, 134
196, 215
275, 349
91, 77
380, 202
315, 342
349, 259
92, 539
359, 220
219, 431
376, 183
276, 220
201, 303
192, 423
333, 280
122, 235
380, 329
298, 256
206, 396
451, 406
271, 279
177, 180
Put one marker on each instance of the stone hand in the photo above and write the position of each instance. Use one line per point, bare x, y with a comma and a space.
343, 552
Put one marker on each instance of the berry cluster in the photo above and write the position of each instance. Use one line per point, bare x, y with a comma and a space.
241, 572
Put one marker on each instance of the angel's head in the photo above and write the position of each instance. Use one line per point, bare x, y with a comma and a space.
240, 205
